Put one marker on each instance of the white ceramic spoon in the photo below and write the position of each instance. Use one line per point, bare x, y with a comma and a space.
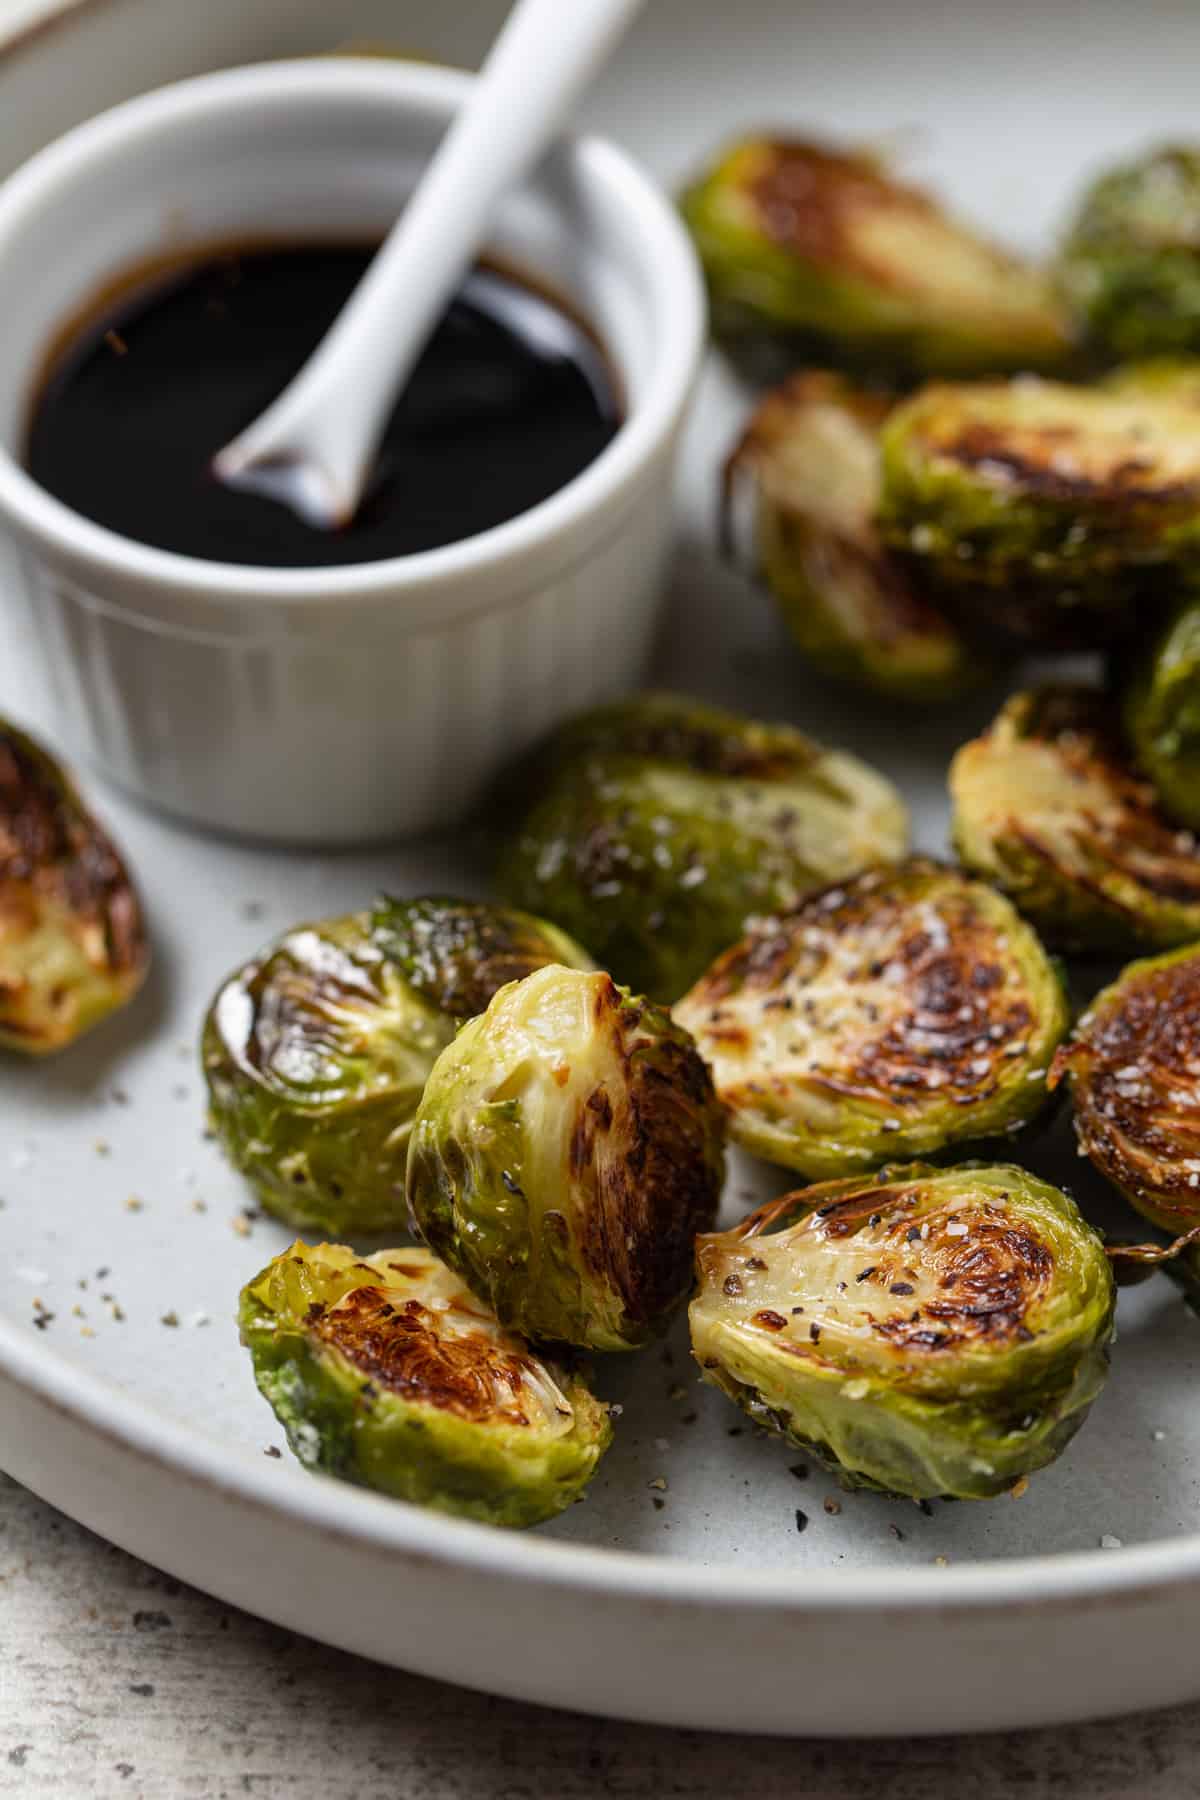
312, 448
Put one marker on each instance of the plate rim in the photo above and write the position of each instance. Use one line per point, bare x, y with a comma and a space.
138, 1429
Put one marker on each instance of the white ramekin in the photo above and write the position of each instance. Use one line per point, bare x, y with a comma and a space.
338, 706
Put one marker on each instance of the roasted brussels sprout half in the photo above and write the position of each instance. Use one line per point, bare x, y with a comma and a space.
1047, 807
1133, 1066
825, 253
1162, 713
385, 1371
901, 1014
458, 954
567, 1150
1130, 266
72, 940
809, 464
1043, 511
316, 1052
928, 1333
660, 825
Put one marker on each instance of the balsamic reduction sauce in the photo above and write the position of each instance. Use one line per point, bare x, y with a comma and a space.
512, 398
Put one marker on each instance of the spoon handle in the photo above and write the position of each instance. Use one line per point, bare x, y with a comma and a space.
325, 426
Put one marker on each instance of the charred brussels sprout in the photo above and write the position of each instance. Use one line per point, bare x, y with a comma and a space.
1047, 807
72, 941
1130, 266
1133, 1067
662, 825
316, 1052
809, 463
929, 1333
1042, 511
823, 253
385, 1371
566, 1152
1162, 713
904, 1013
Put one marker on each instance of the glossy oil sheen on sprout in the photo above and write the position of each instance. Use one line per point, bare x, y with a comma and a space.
926, 1333
907, 1012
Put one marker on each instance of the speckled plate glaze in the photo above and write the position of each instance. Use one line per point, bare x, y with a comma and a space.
682, 1590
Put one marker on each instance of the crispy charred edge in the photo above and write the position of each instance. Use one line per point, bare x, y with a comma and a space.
1081, 725
459, 953
659, 1184
289, 994
51, 844
1143, 1033
393, 1340
991, 1278
953, 985
978, 446
1111, 216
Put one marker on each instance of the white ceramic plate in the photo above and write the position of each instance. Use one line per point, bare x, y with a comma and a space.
133, 1407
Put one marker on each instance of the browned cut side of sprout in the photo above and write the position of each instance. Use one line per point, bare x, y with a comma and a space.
1133, 1066
73, 944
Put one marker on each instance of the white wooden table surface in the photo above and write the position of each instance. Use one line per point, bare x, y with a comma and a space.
115, 1680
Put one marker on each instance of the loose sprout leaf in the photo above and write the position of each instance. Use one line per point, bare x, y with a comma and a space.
1133, 1067
72, 938
900, 1015
809, 464
386, 1371
458, 954
1047, 807
656, 827
825, 252
1130, 266
1162, 713
567, 1149
1040, 510
924, 1333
